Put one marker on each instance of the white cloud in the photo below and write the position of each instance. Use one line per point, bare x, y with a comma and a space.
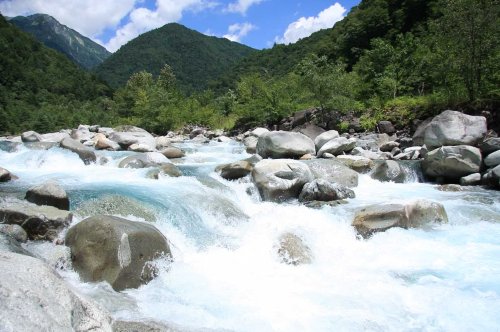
143, 19
305, 26
241, 6
90, 17
239, 30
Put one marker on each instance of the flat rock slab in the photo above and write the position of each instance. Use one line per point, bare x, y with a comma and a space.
40, 222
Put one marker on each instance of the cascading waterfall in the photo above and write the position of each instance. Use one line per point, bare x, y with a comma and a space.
227, 275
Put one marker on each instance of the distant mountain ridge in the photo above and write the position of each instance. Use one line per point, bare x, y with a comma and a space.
195, 58
78, 48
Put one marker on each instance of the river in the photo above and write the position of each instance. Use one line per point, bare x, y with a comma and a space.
227, 275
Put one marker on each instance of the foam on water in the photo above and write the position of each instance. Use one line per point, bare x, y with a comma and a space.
227, 274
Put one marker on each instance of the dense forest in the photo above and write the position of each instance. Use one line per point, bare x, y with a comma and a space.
387, 60
196, 58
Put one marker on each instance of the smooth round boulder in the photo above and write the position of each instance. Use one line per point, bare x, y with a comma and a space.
452, 162
48, 193
116, 250
236, 170
386, 127
34, 297
333, 170
85, 153
389, 146
257, 132
337, 146
493, 159
454, 128
323, 138
31, 136
173, 152
14, 231
283, 144
143, 160
359, 164
128, 138
279, 180
5, 175
293, 251
490, 145
250, 143
471, 180
325, 191
389, 171
380, 217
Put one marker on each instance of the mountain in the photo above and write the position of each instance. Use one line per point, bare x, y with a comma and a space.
195, 58
345, 41
41, 88
53, 34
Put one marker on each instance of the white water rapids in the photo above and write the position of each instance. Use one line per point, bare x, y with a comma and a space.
226, 273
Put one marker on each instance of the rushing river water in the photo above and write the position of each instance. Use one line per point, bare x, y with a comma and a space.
227, 275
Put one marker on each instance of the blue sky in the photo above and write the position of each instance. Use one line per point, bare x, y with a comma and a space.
257, 23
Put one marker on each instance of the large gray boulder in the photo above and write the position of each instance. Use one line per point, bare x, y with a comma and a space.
325, 137
116, 250
380, 217
389, 171
283, 144
41, 222
48, 193
323, 190
279, 180
337, 146
54, 137
493, 159
358, 163
85, 153
293, 251
333, 171
101, 142
34, 298
452, 162
454, 128
250, 143
137, 136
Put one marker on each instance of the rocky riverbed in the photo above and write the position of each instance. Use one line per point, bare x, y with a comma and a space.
115, 229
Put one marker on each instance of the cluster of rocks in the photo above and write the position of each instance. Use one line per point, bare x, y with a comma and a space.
103, 248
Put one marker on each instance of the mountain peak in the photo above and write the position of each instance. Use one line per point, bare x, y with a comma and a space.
53, 34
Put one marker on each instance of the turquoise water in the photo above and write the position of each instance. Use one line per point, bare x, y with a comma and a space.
226, 273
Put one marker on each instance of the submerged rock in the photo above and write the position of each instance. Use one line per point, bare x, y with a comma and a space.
323, 190
166, 170
292, 250
34, 298
236, 170
282, 144
5, 175
116, 205
48, 193
39, 221
380, 217
116, 250
143, 160
85, 153
282, 179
